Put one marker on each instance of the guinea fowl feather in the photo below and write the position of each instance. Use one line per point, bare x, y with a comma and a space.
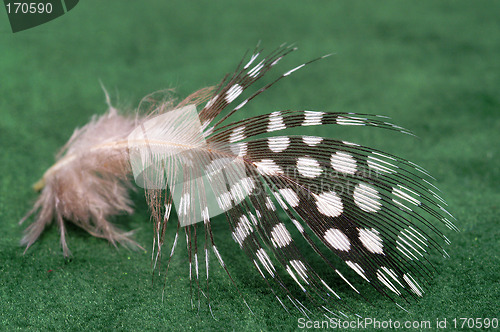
379, 213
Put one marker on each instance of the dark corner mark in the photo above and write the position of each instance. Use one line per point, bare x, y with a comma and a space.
28, 14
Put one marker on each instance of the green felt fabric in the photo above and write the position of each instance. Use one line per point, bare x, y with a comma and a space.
430, 65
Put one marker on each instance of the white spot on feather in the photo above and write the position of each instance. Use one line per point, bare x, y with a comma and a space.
280, 237
415, 287
242, 230
184, 204
237, 134
308, 167
233, 93
343, 162
224, 200
239, 149
312, 140
329, 204
268, 167
290, 196
278, 143
312, 118
337, 239
367, 198
275, 122
371, 240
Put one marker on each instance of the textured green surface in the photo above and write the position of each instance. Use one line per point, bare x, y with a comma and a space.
432, 66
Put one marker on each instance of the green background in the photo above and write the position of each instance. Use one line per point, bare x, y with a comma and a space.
433, 66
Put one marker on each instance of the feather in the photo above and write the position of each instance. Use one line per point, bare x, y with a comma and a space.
375, 211
88, 183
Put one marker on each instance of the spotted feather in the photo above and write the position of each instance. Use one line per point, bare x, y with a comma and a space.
378, 213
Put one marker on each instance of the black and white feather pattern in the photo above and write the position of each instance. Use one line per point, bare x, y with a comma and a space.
379, 213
